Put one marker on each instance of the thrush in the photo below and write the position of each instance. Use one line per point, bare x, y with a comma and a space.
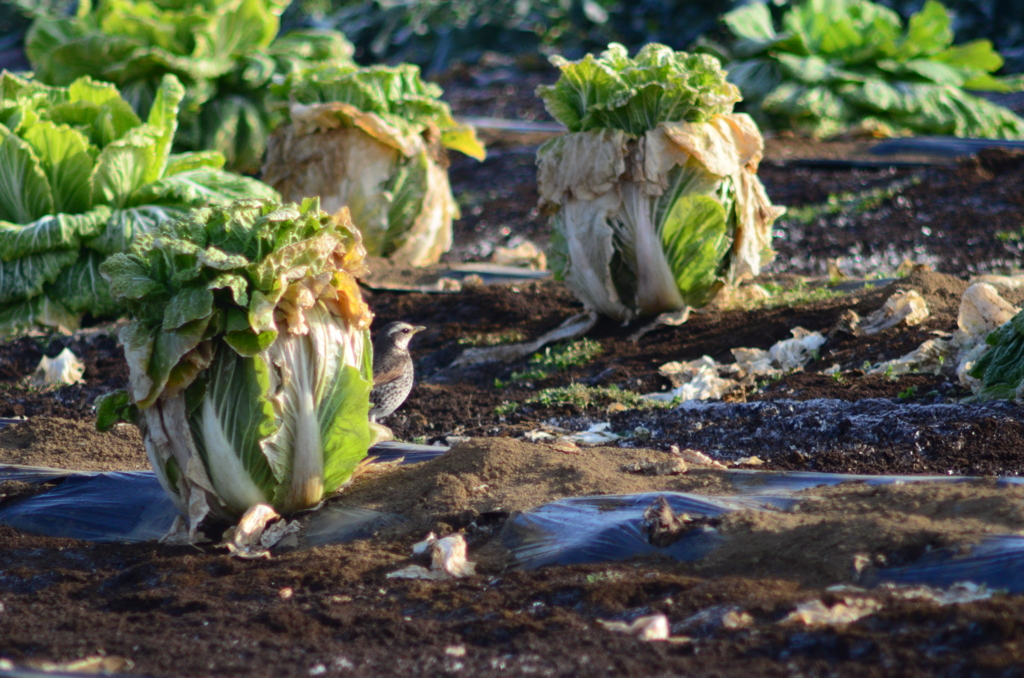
392, 368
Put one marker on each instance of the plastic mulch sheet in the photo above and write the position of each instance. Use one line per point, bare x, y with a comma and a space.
131, 507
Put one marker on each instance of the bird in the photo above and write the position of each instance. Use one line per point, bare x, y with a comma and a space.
392, 368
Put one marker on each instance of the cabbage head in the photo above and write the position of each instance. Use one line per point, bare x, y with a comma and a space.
249, 355
373, 139
81, 176
225, 52
653, 194
842, 65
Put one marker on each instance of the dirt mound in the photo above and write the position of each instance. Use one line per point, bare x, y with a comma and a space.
838, 533
486, 475
73, 444
941, 292
833, 535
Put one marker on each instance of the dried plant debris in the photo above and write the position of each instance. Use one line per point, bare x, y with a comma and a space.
66, 368
526, 255
649, 627
817, 613
907, 307
649, 467
259, 530
664, 527
447, 560
573, 328
706, 379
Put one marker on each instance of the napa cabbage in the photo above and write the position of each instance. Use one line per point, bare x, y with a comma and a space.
81, 176
373, 139
653, 194
249, 355
226, 52
840, 65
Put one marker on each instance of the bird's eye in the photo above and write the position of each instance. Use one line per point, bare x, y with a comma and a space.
405, 331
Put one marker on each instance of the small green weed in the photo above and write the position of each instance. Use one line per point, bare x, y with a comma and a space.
506, 408
838, 378
589, 396
601, 577
492, 338
907, 393
555, 359
801, 293
849, 203
564, 356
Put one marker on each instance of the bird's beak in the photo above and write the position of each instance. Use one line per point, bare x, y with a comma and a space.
418, 328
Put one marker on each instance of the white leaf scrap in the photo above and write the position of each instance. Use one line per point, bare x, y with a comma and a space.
906, 307
259, 530
650, 627
704, 378
66, 368
961, 592
598, 434
448, 561
793, 354
928, 357
694, 380
816, 613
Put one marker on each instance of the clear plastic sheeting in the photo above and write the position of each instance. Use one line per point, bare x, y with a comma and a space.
582, 530
131, 507
338, 524
100, 507
605, 529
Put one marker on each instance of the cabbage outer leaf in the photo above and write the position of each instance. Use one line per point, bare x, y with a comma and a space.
648, 225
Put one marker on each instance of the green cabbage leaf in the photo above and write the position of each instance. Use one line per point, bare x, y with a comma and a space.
1001, 367
839, 65
80, 177
249, 355
225, 52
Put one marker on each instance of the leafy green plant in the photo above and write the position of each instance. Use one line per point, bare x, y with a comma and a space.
373, 139
81, 176
1001, 368
492, 338
850, 203
836, 65
654, 195
589, 396
435, 33
907, 393
506, 408
223, 51
556, 359
249, 355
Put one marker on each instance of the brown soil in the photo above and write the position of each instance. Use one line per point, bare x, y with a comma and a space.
72, 443
186, 611
892, 525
